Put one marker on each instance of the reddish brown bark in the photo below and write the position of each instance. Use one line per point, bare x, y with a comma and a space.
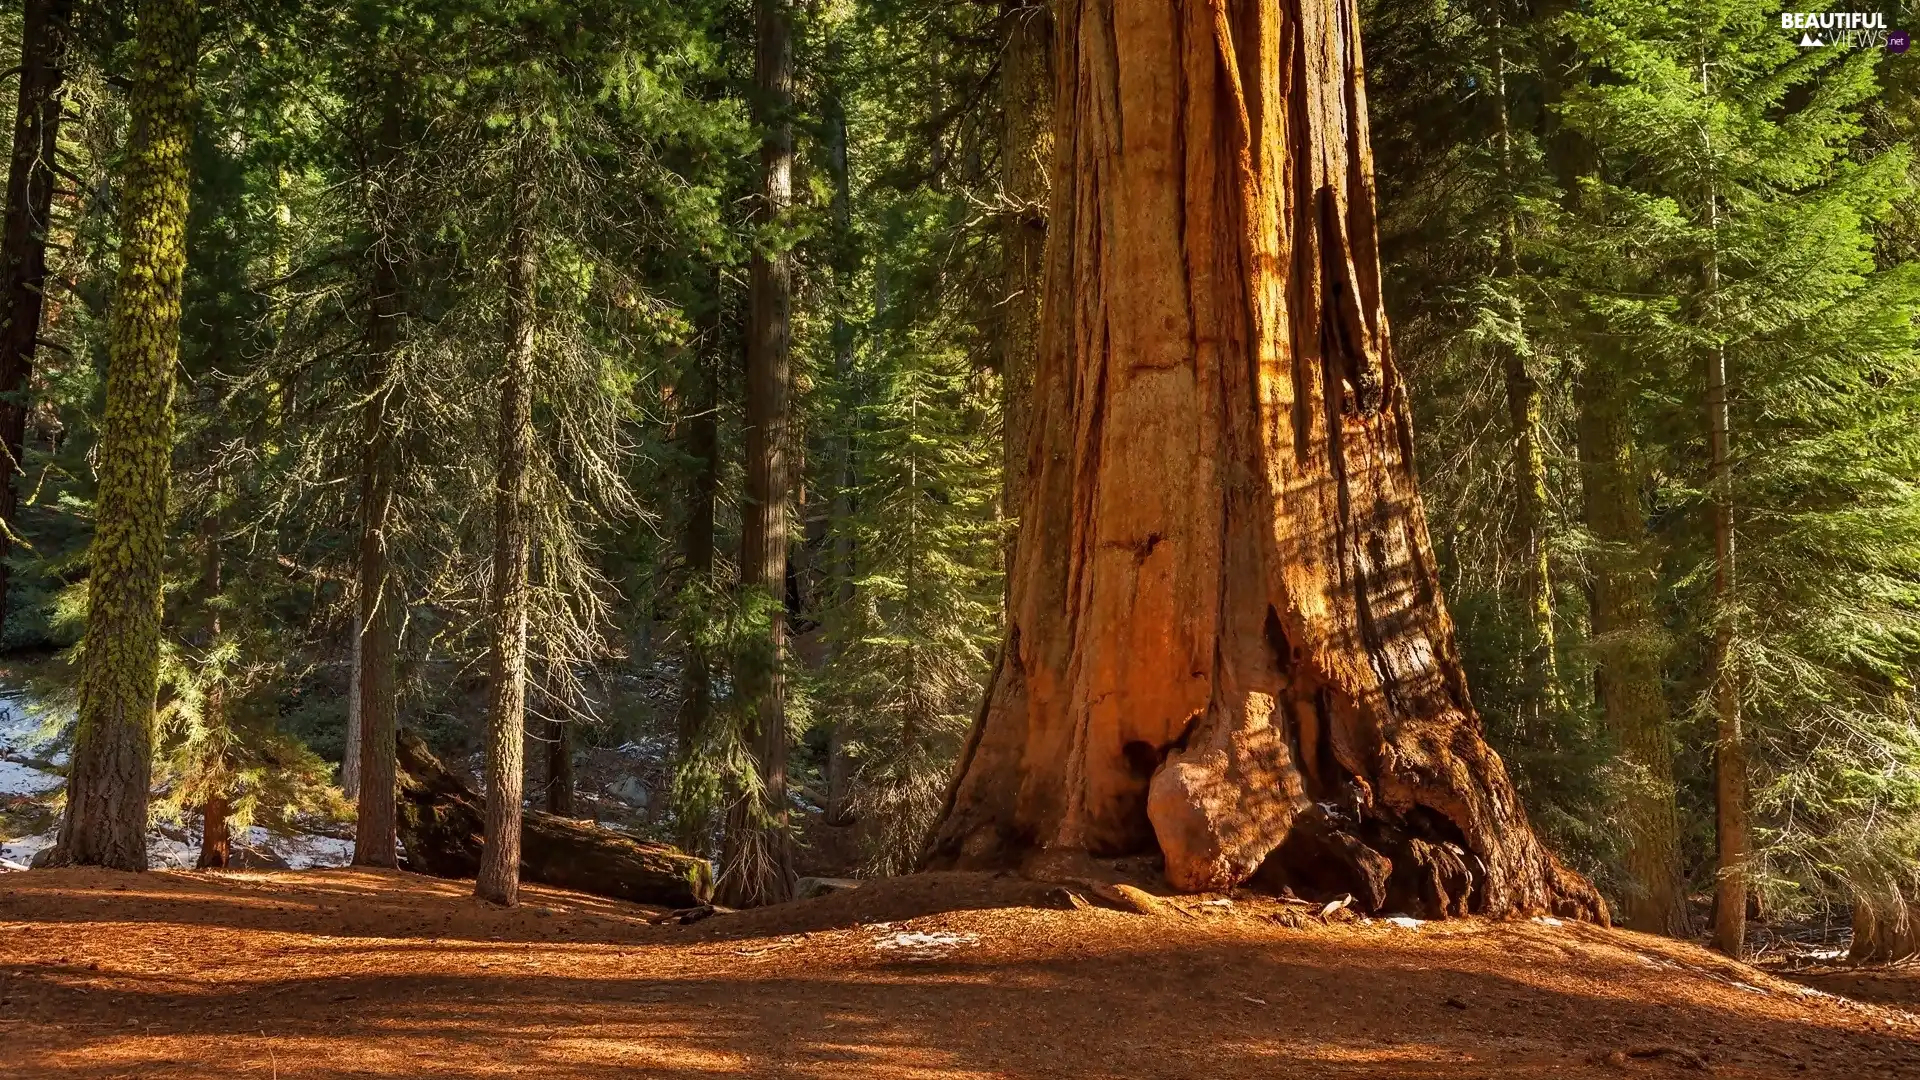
1226, 638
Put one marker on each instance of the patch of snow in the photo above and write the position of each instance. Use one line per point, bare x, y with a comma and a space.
1547, 920
933, 944
17, 780
24, 734
1753, 988
22, 849
1405, 922
302, 851
1221, 903
24, 730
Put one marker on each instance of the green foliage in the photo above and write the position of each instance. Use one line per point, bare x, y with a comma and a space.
1656, 141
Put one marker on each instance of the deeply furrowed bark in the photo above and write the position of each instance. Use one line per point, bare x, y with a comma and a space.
499, 876
757, 865
1630, 675
23, 241
1226, 638
106, 819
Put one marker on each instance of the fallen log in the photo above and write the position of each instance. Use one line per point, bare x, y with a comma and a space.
440, 824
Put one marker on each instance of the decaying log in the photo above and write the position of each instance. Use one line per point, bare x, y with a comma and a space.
440, 824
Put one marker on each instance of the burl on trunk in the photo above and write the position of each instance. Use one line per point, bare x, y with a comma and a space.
1226, 639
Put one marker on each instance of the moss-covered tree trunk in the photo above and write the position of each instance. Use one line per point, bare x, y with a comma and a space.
757, 863
1226, 640
106, 819
1631, 651
381, 607
23, 238
499, 878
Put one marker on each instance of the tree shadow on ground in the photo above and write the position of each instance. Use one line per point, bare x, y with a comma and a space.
1032, 1004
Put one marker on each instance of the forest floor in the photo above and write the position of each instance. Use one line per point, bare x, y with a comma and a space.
351, 973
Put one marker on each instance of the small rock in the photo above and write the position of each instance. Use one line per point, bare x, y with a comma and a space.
629, 790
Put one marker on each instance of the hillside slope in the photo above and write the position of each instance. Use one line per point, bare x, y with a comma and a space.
325, 974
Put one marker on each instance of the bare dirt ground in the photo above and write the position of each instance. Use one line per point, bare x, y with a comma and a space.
323, 974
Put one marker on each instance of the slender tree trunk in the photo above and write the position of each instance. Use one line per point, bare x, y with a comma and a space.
106, 819
1539, 680
1631, 652
839, 770
383, 606
1026, 158
694, 831
23, 243
1226, 639
499, 879
1886, 927
1729, 752
350, 756
758, 861
215, 838
560, 785
382, 603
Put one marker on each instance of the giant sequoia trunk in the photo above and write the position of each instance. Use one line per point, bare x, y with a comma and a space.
23, 241
1226, 638
106, 819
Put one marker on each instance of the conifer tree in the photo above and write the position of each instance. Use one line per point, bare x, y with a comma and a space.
106, 820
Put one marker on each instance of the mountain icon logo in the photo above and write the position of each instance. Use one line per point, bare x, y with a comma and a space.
1808, 41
